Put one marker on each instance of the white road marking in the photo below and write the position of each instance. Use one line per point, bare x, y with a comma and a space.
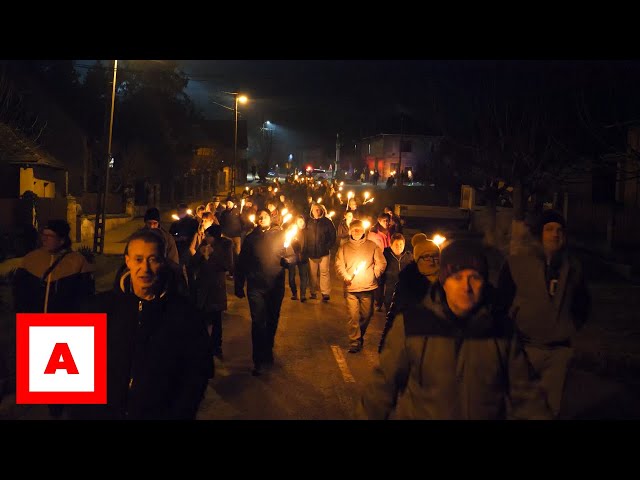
342, 364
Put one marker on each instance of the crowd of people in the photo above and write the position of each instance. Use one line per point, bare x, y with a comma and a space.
453, 345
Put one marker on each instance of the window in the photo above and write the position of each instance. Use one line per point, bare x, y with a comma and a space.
204, 152
406, 146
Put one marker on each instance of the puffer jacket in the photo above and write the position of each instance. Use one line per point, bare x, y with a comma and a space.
437, 366
320, 235
350, 254
68, 284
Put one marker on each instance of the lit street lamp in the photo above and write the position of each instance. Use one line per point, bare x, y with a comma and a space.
242, 99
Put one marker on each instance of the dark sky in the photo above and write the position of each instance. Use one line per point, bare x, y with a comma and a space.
309, 101
312, 100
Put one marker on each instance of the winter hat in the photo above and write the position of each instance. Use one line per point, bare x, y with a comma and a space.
422, 245
214, 231
152, 214
60, 227
460, 255
548, 216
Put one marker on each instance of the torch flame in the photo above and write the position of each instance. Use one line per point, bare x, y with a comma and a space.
286, 218
284, 211
331, 214
366, 224
291, 233
252, 219
175, 217
360, 267
366, 195
189, 211
319, 199
438, 239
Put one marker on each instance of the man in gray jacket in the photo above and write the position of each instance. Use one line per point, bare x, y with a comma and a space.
359, 263
544, 291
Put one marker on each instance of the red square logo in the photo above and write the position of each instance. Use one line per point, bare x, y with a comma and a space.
61, 358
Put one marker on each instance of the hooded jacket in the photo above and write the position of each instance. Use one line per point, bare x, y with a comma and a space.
437, 366
158, 359
350, 254
320, 234
260, 262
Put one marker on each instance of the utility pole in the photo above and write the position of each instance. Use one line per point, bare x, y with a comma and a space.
101, 198
399, 173
338, 145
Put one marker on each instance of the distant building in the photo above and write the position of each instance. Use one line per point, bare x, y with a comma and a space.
24, 166
383, 153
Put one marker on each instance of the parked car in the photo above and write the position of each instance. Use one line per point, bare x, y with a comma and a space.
318, 174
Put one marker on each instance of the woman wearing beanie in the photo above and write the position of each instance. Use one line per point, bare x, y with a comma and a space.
544, 291
449, 358
414, 280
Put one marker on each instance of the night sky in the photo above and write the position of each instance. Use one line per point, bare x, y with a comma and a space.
312, 100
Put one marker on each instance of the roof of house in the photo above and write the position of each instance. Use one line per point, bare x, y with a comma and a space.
16, 149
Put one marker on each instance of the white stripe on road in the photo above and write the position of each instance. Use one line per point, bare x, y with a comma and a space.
342, 364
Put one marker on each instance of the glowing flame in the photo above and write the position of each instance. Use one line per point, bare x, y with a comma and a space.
189, 211
366, 195
319, 199
275, 190
286, 218
438, 239
246, 188
370, 172
291, 233
331, 214
295, 177
339, 189
341, 183
350, 195
284, 211
361, 266
252, 219
339, 195
175, 217
366, 224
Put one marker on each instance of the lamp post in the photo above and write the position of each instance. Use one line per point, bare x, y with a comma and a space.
100, 221
242, 99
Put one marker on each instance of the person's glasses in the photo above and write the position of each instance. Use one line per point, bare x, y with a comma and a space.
433, 258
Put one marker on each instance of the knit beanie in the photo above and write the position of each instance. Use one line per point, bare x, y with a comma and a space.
548, 216
152, 214
60, 227
461, 255
422, 245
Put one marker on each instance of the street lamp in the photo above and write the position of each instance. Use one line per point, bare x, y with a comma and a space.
242, 99
100, 221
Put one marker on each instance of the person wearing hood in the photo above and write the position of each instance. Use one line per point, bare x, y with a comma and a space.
320, 237
343, 227
413, 280
545, 292
158, 357
359, 263
450, 358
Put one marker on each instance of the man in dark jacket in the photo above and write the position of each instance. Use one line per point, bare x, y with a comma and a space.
183, 231
231, 224
158, 360
207, 284
261, 264
451, 358
320, 237
397, 259
545, 292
